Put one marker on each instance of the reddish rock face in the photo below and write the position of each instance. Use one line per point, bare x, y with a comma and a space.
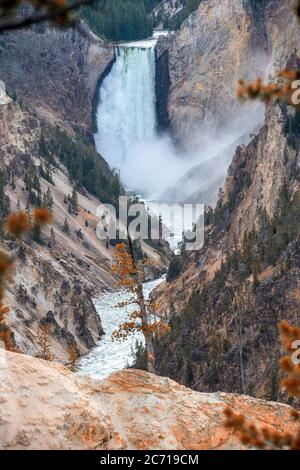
56, 409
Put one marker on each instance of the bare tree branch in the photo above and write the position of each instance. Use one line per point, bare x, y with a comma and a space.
50, 16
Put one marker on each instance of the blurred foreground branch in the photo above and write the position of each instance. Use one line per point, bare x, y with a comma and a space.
57, 11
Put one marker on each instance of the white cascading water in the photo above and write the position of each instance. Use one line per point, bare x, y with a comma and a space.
126, 122
126, 114
109, 356
127, 139
126, 118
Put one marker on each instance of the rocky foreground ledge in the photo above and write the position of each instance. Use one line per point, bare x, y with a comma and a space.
44, 406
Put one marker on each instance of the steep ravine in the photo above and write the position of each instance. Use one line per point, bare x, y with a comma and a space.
56, 82
54, 77
111, 356
252, 249
55, 280
252, 244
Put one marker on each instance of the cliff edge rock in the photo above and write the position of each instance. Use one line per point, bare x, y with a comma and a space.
44, 406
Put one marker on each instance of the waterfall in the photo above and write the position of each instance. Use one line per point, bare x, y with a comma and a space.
126, 113
126, 122
150, 164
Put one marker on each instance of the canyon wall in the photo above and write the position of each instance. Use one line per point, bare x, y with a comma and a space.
55, 71
246, 276
216, 46
46, 121
230, 296
55, 279
51, 76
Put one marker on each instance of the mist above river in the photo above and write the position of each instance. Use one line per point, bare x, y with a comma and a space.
126, 123
127, 136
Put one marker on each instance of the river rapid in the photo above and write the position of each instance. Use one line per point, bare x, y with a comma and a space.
109, 356
127, 138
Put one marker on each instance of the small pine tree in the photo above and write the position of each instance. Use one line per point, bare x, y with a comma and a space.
36, 234
22, 295
74, 202
28, 208
53, 238
72, 355
22, 252
66, 227
4, 201
256, 271
44, 341
48, 200
13, 182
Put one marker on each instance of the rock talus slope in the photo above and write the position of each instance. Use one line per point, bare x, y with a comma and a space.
51, 76
56, 279
44, 406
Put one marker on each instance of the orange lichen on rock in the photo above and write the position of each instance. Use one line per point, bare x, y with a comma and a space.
76, 412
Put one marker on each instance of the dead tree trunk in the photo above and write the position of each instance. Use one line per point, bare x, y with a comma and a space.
238, 320
144, 313
239, 330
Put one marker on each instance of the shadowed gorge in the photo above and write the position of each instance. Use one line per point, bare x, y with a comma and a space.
149, 229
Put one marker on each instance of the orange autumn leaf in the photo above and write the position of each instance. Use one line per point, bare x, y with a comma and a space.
17, 223
266, 438
6, 266
5, 334
41, 217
